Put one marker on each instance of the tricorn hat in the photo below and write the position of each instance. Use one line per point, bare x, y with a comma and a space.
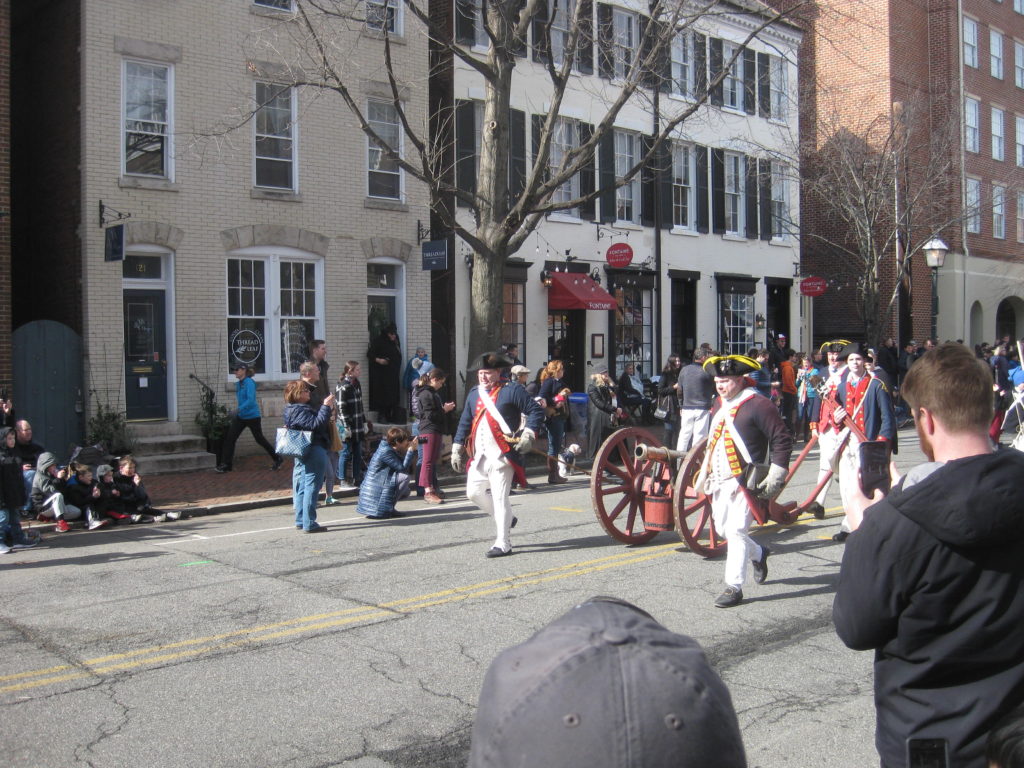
836, 345
492, 360
731, 365
853, 348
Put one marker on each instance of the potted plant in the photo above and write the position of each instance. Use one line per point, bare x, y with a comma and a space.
108, 427
213, 420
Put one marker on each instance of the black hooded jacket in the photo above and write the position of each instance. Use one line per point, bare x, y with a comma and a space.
12, 481
933, 581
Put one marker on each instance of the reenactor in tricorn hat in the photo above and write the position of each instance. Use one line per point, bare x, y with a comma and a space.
487, 429
745, 426
865, 401
827, 427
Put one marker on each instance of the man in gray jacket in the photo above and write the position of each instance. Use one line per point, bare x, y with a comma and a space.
698, 390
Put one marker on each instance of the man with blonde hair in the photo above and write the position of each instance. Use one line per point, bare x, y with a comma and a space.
932, 575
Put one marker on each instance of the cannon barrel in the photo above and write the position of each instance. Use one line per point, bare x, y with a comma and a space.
656, 453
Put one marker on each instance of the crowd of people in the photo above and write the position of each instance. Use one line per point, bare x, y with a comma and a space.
34, 486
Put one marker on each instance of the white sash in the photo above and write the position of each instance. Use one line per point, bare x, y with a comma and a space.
495, 414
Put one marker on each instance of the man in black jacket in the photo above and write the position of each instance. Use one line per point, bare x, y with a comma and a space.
933, 575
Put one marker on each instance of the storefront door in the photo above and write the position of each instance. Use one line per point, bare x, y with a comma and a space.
145, 354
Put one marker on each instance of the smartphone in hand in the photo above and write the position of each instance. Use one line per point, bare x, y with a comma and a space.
874, 467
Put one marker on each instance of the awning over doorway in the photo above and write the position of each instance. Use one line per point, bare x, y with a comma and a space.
576, 290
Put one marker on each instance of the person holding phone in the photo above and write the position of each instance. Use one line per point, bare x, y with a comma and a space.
865, 401
931, 576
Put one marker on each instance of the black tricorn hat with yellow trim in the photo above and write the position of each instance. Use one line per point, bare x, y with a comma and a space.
836, 345
492, 360
731, 365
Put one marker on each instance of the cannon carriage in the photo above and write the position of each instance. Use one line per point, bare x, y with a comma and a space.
641, 488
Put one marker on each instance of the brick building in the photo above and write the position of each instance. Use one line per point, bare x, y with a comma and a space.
242, 238
932, 70
5, 193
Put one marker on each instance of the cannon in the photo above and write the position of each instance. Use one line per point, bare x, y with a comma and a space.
641, 488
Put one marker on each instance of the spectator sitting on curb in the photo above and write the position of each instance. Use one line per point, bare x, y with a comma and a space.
81, 495
387, 477
109, 503
29, 453
48, 493
605, 686
135, 500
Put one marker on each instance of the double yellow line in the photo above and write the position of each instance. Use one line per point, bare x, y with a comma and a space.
184, 649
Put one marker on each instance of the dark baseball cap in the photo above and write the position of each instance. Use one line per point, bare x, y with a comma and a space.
605, 686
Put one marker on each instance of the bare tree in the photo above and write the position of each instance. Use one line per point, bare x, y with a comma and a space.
881, 186
318, 53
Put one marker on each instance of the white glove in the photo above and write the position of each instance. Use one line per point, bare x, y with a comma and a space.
458, 461
526, 441
772, 485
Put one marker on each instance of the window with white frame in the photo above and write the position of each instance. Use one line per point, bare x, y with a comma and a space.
624, 41
998, 135
998, 211
627, 195
1018, 6
384, 177
1020, 217
972, 205
736, 321
564, 138
1018, 64
561, 25
480, 38
780, 201
634, 329
275, 308
777, 75
1019, 141
734, 193
970, 42
972, 128
283, 5
147, 119
682, 64
274, 130
683, 175
995, 53
383, 16
732, 85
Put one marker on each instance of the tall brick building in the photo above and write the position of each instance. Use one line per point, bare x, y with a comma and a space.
931, 69
237, 244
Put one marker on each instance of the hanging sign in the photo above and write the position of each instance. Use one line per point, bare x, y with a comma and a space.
619, 255
813, 286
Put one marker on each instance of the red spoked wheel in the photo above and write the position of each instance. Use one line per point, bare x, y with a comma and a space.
693, 508
616, 485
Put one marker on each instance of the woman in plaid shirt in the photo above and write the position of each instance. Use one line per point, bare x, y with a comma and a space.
349, 395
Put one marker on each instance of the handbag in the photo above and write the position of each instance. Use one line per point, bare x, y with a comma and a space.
292, 442
664, 409
336, 436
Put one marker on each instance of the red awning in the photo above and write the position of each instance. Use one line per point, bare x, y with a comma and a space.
576, 290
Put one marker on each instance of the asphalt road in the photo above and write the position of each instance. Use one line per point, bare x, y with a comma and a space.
233, 640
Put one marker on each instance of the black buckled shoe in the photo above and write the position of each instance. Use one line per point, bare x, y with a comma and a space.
761, 566
731, 597
498, 552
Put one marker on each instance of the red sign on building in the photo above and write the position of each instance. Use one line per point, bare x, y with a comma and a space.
619, 255
813, 286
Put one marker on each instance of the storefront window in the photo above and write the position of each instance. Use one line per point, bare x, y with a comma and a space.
634, 330
514, 316
736, 323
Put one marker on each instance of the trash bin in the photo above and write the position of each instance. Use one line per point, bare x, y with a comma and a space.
578, 407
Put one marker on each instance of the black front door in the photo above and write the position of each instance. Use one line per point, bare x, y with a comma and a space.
566, 343
145, 355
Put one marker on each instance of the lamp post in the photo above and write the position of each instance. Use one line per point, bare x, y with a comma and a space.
935, 255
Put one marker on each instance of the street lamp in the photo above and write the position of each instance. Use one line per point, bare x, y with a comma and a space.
935, 255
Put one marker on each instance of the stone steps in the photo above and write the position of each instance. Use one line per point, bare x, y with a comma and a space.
162, 447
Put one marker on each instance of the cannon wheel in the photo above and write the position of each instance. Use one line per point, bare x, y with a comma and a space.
693, 508
618, 500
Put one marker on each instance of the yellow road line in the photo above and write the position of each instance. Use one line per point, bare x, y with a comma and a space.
251, 635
